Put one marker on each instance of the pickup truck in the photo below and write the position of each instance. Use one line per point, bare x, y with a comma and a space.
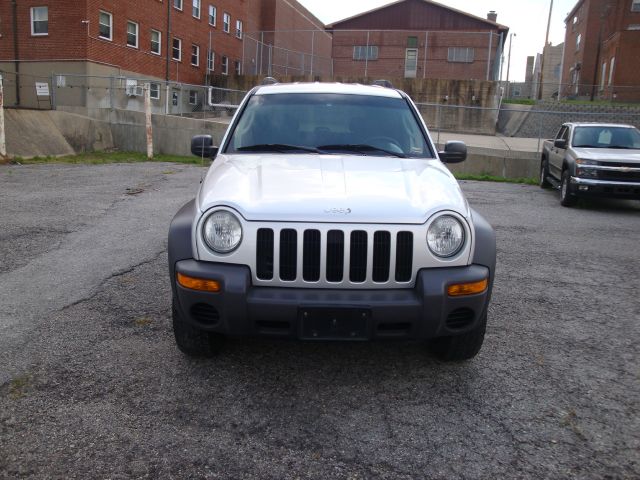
595, 159
329, 215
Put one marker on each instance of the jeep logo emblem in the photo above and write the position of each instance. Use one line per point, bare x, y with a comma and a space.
337, 211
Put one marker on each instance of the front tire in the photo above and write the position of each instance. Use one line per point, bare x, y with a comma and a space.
567, 198
191, 340
460, 347
544, 173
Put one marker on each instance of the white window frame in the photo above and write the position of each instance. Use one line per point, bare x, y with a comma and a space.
226, 22
213, 12
237, 67
33, 20
137, 34
578, 42
611, 67
603, 75
173, 49
239, 29
195, 97
159, 52
110, 37
196, 53
225, 65
211, 61
196, 8
461, 55
635, 5
361, 52
154, 93
178, 2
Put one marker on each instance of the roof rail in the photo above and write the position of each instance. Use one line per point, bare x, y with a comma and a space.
269, 81
383, 83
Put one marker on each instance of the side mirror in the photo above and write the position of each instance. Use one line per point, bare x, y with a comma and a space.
454, 152
202, 146
560, 143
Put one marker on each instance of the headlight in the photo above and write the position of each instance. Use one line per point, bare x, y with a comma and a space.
222, 231
584, 170
445, 236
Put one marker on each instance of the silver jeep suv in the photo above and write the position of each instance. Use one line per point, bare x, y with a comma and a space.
328, 214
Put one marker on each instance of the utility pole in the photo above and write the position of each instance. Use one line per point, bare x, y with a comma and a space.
546, 42
511, 35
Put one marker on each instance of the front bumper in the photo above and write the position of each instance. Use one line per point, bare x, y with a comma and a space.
605, 188
241, 309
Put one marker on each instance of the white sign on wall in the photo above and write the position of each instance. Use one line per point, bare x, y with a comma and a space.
42, 89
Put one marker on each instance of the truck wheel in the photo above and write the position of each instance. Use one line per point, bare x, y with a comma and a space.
193, 341
567, 198
460, 347
544, 173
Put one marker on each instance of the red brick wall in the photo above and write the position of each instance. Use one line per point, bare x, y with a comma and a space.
67, 33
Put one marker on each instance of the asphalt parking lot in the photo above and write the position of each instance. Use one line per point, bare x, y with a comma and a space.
92, 385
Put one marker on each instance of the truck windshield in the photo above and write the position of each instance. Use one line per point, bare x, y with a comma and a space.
329, 123
606, 137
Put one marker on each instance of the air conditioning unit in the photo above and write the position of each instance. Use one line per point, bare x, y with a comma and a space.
135, 91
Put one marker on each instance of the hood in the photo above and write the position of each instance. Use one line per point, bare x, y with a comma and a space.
609, 154
331, 188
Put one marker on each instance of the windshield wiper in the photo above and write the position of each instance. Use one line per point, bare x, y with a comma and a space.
360, 148
277, 147
623, 147
587, 146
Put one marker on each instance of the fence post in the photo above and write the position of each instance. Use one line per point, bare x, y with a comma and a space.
489, 55
313, 37
52, 93
3, 138
111, 94
149, 125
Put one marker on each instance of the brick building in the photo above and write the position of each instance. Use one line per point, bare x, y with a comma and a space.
418, 38
602, 51
184, 41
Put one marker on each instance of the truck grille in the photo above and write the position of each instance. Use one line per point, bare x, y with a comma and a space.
334, 256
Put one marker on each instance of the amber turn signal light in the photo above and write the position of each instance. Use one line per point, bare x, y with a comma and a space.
198, 283
460, 289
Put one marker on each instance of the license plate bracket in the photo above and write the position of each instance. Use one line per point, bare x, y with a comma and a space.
330, 323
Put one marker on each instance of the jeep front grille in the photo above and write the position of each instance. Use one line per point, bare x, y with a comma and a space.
334, 256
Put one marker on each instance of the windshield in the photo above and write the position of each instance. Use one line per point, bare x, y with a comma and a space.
606, 137
329, 123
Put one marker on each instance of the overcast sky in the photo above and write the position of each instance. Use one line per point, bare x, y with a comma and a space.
526, 18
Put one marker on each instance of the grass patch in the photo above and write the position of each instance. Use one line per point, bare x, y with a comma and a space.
493, 178
18, 386
99, 158
519, 101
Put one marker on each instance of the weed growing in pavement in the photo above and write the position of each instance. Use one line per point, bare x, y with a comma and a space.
99, 158
493, 178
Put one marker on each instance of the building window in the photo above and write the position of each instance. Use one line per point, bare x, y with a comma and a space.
154, 91
635, 5
365, 53
132, 34
177, 49
105, 27
196, 8
238, 67
39, 21
578, 40
195, 55
225, 66
211, 61
156, 42
238, 28
461, 55
613, 62
603, 75
213, 13
226, 22
177, 4
193, 97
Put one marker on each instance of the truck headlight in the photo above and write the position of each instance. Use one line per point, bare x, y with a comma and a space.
583, 168
445, 236
222, 231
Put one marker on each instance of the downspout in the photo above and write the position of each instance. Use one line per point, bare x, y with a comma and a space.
16, 50
168, 41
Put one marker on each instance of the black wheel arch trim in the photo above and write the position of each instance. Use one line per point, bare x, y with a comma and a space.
179, 245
